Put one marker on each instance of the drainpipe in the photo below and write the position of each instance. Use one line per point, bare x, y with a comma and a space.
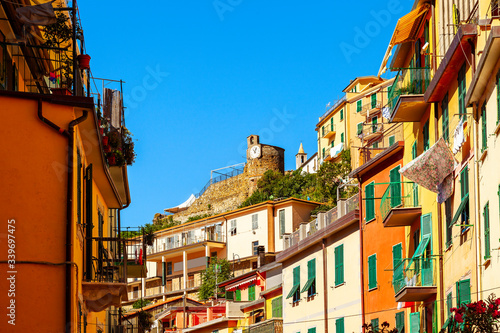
69, 203
325, 284
362, 274
477, 215
440, 229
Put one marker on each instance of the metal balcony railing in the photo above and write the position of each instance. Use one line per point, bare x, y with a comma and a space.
409, 81
414, 272
327, 129
373, 105
399, 194
268, 326
104, 261
495, 8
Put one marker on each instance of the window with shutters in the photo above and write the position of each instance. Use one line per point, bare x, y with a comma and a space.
425, 134
414, 150
461, 93
229, 295
310, 285
323, 153
372, 271
311, 330
463, 292
397, 267
415, 322
484, 131
237, 295
400, 321
255, 221
370, 202
332, 143
322, 130
295, 291
445, 122
486, 216
359, 129
374, 101
374, 124
339, 325
282, 222
375, 325
339, 265
392, 140
331, 124
277, 305
342, 137
255, 246
233, 230
395, 179
464, 192
359, 106
251, 292
341, 114
169, 268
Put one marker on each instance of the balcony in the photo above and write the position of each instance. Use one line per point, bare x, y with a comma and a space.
105, 273
329, 131
175, 241
334, 152
267, 326
371, 131
400, 204
414, 279
371, 109
406, 95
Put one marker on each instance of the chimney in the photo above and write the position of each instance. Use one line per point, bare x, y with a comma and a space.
261, 256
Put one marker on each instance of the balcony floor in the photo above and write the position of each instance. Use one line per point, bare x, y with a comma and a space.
409, 108
402, 217
415, 294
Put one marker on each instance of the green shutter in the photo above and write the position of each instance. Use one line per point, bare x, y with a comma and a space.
445, 118
237, 295
296, 276
374, 101
372, 271
461, 92
426, 225
323, 152
359, 106
277, 307
360, 129
415, 322
375, 325
89, 221
484, 131
331, 124
342, 137
341, 114
229, 295
397, 255
392, 140
400, 321
251, 293
339, 265
323, 130
369, 202
414, 150
339, 325
464, 291
311, 269
425, 132
486, 215
374, 124
395, 179
311, 330
449, 303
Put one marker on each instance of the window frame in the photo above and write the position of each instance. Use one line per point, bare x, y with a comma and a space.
370, 201
233, 230
372, 271
255, 221
281, 222
255, 247
339, 265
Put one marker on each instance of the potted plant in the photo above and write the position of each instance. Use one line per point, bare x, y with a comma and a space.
144, 320
149, 237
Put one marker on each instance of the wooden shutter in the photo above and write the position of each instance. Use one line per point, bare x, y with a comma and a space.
461, 92
372, 271
415, 322
426, 227
229, 295
395, 179
374, 124
339, 326
369, 202
331, 123
342, 137
341, 114
400, 321
164, 273
360, 129
311, 269
414, 150
296, 276
486, 215
425, 132
375, 325
311, 330
237, 295
449, 303
277, 307
464, 291
79, 186
392, 140
359, 106
251, 293
374, 101
339, 264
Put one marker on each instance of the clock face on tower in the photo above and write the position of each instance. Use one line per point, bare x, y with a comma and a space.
255, 152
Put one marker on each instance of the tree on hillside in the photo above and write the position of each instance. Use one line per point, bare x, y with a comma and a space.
208, 278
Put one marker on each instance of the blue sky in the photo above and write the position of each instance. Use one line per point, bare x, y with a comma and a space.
203, 75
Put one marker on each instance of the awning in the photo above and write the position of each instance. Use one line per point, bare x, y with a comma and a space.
460, 209
420, 249
295, 288
408, 26
430, 169
183, 206
308, 284
235, 285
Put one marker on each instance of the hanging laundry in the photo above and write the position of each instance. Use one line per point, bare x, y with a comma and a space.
112, 107
54, 78
36, 15
140, 257
430, 169
458, 137
386, 112
445, 189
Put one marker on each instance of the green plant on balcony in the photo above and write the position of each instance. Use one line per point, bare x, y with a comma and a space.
122, 147
384, 328
144, 321
140, 303
481, 316
58, 35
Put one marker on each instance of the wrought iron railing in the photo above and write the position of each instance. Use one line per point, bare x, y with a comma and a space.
373, 105
409, 81
328, 128
105, 260
235, 172
414, 272
369, 129
268, 326
399, 194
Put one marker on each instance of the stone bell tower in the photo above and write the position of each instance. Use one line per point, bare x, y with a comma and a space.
260, 158
301, 157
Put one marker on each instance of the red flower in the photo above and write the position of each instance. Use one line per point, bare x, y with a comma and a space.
385, 324
458, 318
453, 309
496, 314
497, 301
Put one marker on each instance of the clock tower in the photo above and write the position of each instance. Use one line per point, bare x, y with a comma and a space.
260, 158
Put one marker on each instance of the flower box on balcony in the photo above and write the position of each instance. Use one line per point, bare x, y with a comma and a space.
61, 91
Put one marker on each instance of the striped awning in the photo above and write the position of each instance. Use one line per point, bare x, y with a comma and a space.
235, 285
408, 26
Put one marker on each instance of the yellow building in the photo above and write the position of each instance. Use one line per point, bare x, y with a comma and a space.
332, 132
61, 200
